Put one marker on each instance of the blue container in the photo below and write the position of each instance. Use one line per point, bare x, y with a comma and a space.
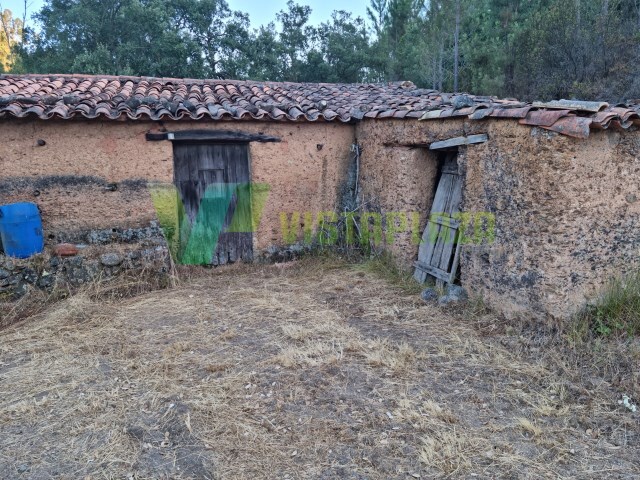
21, 229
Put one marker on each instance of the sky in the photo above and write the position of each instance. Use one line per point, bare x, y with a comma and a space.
260, 11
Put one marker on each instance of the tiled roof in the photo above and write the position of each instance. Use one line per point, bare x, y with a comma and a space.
68, 96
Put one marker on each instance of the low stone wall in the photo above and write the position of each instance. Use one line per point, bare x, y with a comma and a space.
96, 255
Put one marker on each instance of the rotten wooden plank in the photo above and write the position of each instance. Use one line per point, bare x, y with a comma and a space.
433, 271
436, 255
449, 241
445, 221
432, 231
456, 260
458, 141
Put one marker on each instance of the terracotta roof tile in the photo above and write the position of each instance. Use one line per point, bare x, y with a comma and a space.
68, 96
111, 97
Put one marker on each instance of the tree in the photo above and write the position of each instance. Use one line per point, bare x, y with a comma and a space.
264, 56
120, 37
593, 56
10, 38
294, 39
343, 47
378, 15
218, 32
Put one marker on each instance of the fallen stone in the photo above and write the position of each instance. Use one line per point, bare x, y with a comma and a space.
65, 250
76, 261
77, 275
9, 264
12, 280
20, 290
453, 294
429, 295
4, 273
111, 259
30, 275
46, 282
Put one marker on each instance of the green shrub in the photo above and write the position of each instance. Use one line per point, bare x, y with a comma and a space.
617, 311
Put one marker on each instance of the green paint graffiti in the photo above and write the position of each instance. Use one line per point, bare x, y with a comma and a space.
194, 243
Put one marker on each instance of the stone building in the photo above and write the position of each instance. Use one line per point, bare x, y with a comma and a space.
538, 201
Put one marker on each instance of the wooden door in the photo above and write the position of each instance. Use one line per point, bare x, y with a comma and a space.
209, 178
439, 249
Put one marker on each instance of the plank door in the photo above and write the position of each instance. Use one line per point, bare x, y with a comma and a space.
208, 177
439, 250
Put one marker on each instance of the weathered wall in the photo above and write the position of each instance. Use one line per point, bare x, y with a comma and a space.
566, 210
566, 215
400, 179
72, 176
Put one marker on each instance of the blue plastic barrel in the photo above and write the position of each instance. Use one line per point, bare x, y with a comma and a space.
21, 229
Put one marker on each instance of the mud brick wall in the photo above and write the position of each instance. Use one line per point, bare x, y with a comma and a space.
90, 178
566, 211
396, 178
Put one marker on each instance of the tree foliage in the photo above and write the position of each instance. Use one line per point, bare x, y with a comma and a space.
521, 48
10, 37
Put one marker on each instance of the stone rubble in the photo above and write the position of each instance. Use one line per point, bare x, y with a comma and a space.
46, 273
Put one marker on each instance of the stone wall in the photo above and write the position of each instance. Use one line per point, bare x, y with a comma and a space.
49, 271
92, 177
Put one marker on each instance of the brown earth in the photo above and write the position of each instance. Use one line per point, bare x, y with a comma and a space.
311, 370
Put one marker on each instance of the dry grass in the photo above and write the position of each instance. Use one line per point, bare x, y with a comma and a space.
529, 427
314, 370
124, 285
448, 450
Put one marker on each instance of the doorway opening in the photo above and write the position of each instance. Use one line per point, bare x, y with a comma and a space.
439, 252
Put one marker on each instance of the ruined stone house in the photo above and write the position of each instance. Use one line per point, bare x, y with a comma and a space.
544, 194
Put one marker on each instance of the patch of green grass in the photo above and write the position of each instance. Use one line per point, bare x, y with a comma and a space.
617, 311
475, 307
385, 265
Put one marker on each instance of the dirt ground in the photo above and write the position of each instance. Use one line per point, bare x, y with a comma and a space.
308, 370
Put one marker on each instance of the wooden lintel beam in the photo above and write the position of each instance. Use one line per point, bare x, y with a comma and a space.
458, 141
211, 136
